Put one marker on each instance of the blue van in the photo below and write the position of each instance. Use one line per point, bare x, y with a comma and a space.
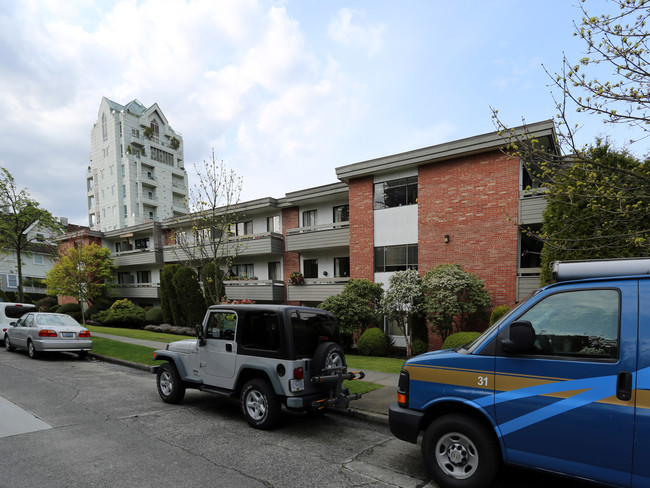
561, 384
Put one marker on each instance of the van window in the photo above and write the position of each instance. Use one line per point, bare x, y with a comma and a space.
581, 324
15, 312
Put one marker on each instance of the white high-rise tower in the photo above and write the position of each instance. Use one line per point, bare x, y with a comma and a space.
136, 171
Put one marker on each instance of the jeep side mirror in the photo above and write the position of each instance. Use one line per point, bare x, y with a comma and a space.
198, 328
521, 338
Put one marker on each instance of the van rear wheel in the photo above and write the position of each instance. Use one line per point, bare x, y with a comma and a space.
460, 452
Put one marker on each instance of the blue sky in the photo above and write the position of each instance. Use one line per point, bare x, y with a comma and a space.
283, 91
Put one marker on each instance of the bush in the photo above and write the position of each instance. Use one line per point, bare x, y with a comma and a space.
154, 316
45, 304
372, 342
498, 312
99, 306
458, 339
123, 313
418, 347
69, 308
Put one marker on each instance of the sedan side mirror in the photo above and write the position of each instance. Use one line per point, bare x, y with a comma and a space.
521, 338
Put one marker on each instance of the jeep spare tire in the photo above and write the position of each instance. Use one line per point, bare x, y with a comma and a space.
328, 355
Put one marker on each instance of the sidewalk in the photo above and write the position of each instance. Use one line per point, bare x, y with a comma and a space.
372, 406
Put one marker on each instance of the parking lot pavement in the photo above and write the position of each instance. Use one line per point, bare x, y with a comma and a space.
16, 421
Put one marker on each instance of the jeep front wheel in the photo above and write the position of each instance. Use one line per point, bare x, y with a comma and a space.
260, 405
170, 386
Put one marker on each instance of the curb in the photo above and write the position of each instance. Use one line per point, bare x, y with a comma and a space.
373, 417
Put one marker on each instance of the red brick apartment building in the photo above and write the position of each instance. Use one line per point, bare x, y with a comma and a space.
457, 202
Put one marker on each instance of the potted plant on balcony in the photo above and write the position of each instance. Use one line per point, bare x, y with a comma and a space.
296, 278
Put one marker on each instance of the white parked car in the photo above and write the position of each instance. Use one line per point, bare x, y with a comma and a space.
11, 312
38, 332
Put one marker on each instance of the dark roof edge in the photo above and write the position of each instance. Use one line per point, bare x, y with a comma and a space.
447, 150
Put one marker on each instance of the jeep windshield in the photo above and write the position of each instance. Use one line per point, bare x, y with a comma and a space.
309, 329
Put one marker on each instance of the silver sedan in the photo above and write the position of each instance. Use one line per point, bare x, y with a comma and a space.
47, 332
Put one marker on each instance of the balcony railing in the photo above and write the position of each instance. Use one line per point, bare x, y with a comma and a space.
256, 290
316, 289
136, 290
137, 257
336, 234
249, 245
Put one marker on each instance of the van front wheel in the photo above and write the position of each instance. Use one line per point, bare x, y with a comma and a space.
460, 452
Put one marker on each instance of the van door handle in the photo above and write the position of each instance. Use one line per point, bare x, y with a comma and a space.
624, 386
228, 347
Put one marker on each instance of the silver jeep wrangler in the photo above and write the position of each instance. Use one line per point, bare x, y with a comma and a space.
268, 355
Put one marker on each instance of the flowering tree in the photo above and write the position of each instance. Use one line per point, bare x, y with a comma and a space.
402, 300
453, 297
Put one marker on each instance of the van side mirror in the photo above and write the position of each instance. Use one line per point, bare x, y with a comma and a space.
198, 328
521, 338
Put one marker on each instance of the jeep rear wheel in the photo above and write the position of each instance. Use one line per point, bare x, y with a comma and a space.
260, 405
328, 355
170, 386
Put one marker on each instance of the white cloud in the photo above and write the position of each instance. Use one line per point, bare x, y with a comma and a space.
347, 28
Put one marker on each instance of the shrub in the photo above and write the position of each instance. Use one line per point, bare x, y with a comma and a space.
98, 306
123, 313
154, 316
419, 347
458, 339
498, 312
372, 342
45, 304
68, 308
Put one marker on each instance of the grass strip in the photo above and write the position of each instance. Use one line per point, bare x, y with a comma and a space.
371, 363
138, 334
124, 351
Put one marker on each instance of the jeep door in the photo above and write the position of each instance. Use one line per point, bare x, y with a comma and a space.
218, 353
567, 405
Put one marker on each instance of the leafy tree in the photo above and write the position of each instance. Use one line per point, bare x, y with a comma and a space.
189, 296
81, 272
355, 308
19, 214
402, 300
582, 224
203, 238
453, 299
169, 304
618, 43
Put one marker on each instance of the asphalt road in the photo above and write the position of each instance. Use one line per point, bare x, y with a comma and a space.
66, 422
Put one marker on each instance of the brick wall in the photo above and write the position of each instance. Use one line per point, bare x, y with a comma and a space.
361, 229
291, 260
470, 199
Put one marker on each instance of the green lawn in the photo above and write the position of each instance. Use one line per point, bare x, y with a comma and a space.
137, 334
143, 355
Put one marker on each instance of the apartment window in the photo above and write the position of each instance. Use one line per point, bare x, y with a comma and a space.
395, 193
91, 202
342, 267
310, 268
12, 281
144, 276
151, 215
241, 271
91, 184
341, 213
396, 258
38, 259
274, 271
155, 129
142, 243
104, 128
273, 224
530, 248
135, 133
309, 218
126, 212
124, 190
244, 228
